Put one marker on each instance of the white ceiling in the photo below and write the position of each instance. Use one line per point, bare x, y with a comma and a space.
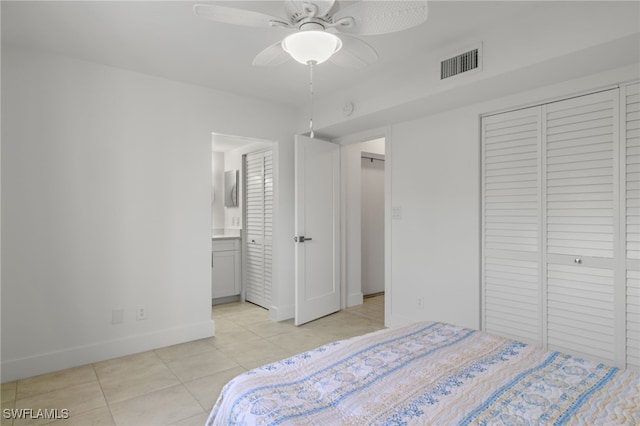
166, 39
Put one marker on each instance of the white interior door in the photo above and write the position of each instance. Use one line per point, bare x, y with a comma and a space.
317, 228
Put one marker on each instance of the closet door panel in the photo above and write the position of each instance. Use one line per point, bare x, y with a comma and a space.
633, 319
511, 197
580, 188
254, 222
632, 174
259, 226
631, 218
580, 310
581, 174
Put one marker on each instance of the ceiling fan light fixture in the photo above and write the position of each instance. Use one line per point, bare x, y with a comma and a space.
311, 46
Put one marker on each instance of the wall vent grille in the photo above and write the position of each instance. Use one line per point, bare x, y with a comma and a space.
458, 64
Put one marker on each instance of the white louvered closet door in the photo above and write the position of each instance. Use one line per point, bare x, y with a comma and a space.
511, 222
258, 222
561, 238
630, 103
580, 188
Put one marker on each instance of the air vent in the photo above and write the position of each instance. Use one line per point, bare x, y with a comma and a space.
461, 63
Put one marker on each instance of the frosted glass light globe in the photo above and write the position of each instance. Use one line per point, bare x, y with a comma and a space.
311, 46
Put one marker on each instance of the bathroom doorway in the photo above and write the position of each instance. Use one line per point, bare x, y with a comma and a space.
230, 216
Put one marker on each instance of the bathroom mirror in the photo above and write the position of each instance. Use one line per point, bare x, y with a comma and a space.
231, 188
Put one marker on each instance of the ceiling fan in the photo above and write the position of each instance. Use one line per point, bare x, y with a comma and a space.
324, 29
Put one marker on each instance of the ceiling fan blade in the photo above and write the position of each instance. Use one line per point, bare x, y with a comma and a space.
231, 15
272, 56
380, 17
296, 8
355, 53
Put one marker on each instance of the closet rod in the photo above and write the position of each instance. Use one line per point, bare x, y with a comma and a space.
372, 158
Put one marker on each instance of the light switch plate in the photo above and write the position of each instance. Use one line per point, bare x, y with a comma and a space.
396, 212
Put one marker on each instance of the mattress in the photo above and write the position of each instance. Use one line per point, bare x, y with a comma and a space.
430, 374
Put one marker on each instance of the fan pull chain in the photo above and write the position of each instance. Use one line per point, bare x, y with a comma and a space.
311, 64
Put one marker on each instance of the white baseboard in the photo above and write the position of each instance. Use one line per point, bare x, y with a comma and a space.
281, 313
355, 299
59, 360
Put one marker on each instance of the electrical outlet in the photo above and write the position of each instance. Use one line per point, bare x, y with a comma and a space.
420, 303
141, 312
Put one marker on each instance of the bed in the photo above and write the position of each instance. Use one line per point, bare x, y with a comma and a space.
430, 374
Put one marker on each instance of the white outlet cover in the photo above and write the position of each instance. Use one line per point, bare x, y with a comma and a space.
141, 312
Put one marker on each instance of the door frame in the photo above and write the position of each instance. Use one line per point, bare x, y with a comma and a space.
351, 218
246, 144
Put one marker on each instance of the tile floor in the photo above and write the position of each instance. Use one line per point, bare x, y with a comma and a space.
178, 385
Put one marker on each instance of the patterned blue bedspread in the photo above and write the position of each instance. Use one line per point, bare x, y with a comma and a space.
430, 374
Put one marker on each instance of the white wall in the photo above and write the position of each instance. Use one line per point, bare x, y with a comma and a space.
106, 205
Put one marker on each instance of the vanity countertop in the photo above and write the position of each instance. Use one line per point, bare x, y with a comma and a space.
225, 237
225, 234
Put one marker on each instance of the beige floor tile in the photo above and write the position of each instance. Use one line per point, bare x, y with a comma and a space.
132, 376
53, 381
270, 328
197, 420
253, 350
226, 338
226, 325
6, 406
249, 317
232, 308
122, 387
162, 407
9, 391
201, 365
77, 399
300, 341
171, 353
126, 364
207, 389
97, 417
